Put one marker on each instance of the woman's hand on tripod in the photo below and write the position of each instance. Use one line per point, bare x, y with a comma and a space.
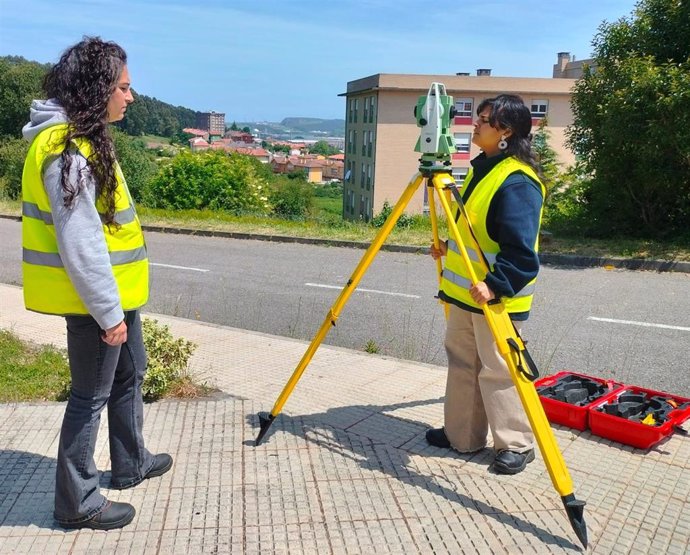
437, 253
481, 293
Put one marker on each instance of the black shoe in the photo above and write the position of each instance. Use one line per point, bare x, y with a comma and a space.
115, 515
161, 464
511, 462
437, 437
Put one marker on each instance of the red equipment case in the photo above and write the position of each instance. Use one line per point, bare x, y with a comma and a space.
566, 414
636, 434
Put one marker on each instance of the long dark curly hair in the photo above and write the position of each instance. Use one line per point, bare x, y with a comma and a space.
82, 82
508, 111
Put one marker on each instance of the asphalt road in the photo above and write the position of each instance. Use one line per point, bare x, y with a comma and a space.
633, 326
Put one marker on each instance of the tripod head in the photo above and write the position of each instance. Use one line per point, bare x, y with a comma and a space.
434, 113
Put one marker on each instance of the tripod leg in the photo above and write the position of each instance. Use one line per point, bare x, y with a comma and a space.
515, 354
266, 419
434, 230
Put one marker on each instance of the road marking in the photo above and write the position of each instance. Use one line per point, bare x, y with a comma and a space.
364, 290
643, 324
178, 267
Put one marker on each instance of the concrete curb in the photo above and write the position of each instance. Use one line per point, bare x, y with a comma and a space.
552, 259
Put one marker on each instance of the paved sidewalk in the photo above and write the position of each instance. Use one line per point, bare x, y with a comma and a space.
344, 469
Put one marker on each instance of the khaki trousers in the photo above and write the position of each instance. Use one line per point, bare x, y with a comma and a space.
480, 394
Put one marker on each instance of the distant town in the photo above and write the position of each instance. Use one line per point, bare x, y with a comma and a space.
319, 157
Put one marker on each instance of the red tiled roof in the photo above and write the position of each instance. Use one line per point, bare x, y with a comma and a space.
309, 163
194, 131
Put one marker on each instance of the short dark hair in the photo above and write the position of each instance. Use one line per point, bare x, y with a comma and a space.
82, 81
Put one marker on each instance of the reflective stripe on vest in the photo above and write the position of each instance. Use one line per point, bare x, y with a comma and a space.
47, 287
117, 258
455, 280
465, 283
32, 210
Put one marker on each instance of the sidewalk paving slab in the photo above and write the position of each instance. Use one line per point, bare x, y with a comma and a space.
344, 469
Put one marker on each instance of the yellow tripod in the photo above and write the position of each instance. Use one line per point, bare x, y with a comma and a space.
522, 369
433, 113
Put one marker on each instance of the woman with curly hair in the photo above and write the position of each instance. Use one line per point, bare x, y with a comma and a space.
84, 258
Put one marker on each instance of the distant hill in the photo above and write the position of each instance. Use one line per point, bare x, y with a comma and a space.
328, 126
297, 128
20, 82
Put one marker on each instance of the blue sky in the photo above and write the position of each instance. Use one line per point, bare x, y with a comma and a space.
263, 60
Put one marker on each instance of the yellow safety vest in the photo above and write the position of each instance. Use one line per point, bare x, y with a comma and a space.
455, 282
47, 287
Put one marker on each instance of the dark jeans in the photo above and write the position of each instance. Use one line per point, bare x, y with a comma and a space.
101, 375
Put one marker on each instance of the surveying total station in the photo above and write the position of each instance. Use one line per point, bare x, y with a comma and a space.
434, 113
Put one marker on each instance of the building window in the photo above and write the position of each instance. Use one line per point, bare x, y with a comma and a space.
462, 141
463, 108
366, 110
354, 142
371, 109
459, 174
368, 177
349, 141
364, 175
364, 143
539, 108
367, 209
371, 142
350, 110
354, 118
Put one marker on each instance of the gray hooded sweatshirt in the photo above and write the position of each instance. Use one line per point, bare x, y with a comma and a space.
79, 231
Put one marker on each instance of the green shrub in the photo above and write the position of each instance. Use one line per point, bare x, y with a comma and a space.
292, 197
213, 180
330, 190
168, 359
404, 221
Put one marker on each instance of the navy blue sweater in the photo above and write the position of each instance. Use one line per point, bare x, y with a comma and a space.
512, 222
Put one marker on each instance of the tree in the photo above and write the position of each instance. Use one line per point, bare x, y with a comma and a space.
246, 129
181, 138
20, 82
631, 125
546, 156
137, 165
322, 147
12, 155
276, 147
234, 127
148, 115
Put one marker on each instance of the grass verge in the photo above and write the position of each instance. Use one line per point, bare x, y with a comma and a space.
328, 225
31, 372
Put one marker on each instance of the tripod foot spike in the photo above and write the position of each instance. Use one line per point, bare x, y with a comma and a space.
575, 510
265, 421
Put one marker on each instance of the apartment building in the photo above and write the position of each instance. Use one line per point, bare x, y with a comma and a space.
213, 122
381, 130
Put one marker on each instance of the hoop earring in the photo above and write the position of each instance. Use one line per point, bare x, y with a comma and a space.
503, 144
